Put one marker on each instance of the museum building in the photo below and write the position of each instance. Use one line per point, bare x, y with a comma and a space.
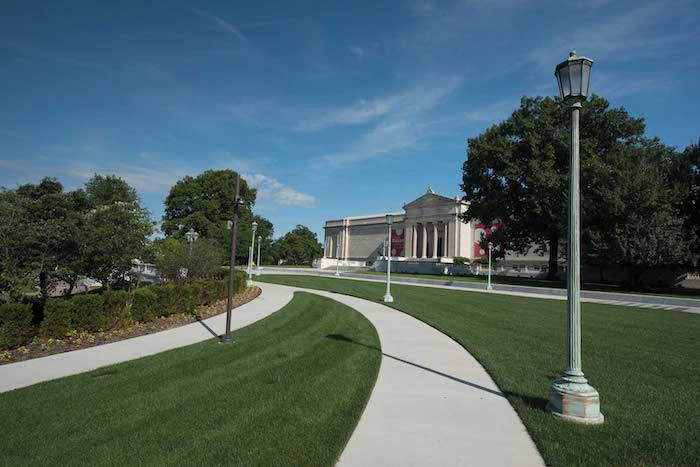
429, 233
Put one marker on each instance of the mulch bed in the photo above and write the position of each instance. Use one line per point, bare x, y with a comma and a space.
43, 346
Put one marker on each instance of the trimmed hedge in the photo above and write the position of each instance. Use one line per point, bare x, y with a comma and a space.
15, 325
111, 309
144, 305
88, 314
58, 317
116, 308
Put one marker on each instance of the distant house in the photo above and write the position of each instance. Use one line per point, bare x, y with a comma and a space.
144, 272
59, 288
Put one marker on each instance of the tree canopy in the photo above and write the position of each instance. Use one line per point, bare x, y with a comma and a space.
516, 172
298, 247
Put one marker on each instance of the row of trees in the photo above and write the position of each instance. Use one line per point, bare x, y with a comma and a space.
640, 199
50, 234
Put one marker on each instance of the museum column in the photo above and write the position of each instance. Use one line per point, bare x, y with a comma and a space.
435, 240
424, 242
445, 236
414, 242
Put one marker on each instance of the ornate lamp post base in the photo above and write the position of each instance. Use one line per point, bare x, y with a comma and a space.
574, 400
388, 298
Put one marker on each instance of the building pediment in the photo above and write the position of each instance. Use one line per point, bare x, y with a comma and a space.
429, 199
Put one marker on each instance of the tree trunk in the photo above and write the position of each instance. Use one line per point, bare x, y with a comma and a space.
553, 268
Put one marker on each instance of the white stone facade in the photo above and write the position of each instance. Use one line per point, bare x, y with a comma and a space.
429, 229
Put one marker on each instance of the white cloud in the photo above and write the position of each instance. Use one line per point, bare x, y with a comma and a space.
357, 51
221, 23
403, 121
272, 189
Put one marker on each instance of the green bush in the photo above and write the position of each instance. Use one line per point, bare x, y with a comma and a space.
15, 325
88, 314
144, 304
167, 298
116, 308
185, 298
483, 260
58, 317
462, 260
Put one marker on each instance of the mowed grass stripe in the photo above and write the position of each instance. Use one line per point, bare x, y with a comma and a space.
283, 394
644, 363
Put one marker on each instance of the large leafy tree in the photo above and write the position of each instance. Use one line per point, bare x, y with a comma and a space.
300, 246
686, 170
115, 229
517, 171
205, 203
633, 220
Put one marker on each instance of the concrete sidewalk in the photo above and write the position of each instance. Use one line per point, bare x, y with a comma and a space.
433, 403
687, 305
21, 374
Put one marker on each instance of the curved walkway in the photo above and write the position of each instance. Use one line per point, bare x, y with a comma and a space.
21, 374
433, 403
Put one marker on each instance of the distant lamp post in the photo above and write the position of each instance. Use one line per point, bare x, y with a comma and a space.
571, 397
489, 286
387, 296
191, 236
254, 227
257, 268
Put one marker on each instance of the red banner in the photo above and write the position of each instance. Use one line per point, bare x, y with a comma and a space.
397, 241
481, 230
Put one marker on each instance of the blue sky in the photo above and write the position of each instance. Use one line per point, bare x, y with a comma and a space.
330, 108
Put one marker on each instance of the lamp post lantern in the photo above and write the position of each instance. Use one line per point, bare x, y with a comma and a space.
571, 397
489, 286
257, 266
191, 236
387, 296
254, 227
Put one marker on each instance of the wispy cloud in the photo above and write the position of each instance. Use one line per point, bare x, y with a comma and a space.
271, 189
357, 51
404, 120
220, 23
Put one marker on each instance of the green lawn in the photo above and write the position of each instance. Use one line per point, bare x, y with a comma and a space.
533, 282
283, 394
645, 363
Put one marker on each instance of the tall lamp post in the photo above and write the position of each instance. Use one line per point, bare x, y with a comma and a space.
387, 296
571, 397
254, 227
232, 266
257, 265
489, 286
191, 236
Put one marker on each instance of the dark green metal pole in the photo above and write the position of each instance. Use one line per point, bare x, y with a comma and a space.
232, 272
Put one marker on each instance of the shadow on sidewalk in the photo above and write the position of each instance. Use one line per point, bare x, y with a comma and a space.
204, 325
340, 337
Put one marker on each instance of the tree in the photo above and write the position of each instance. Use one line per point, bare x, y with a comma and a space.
300, 246
202, 259
517, 171
635, 222
686, 170
205, 203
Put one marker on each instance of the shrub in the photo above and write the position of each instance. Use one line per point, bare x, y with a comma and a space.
58, 317
144, 304
484, 260
88, 312
15, 325
462, 260
116, 308
167, 299
185, 299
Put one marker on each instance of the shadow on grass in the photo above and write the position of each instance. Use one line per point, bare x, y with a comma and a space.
538, 403
342, 338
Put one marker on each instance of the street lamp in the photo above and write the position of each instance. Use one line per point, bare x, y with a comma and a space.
232, 266
571, 397
489, 287
254, 227
387, 296
257, 269
191, 236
